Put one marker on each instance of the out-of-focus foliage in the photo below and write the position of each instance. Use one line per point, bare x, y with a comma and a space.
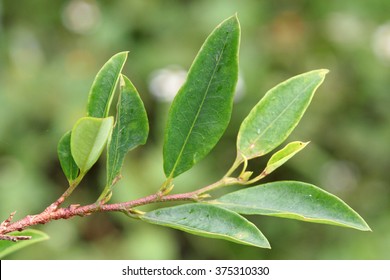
51, 50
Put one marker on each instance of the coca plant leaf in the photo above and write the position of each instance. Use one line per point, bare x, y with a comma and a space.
293, 200
103, 87
202, 108
68, 165
89, 136
208, 221
8, 247
131, 128
272, 120
283, 155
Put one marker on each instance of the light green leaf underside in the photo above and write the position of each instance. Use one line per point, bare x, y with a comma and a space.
293, 200
283, 155
272, 120
8, 247
202, 108
68, 165
103, 87
89, 136
131, 128
208, 221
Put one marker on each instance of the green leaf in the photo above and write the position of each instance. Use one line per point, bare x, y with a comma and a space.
131, 128
8, 247
89, 136
202, 108
67, 162
208, 221
293, 200
283, 155
276, 115
103, 87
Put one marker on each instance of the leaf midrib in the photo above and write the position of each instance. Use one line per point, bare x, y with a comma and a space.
113, 87
282, 213
115, 159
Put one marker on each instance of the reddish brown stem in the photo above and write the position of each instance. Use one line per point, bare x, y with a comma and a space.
54, 213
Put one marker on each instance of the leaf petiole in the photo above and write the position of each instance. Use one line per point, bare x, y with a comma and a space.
235, 165
105, 196
225, 181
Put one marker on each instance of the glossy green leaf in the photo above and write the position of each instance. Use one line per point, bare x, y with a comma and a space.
277, 114
202, 108
68, 165
283, 155
8, 247
103, 87
89, 136
209, 221
293, 200
131, 128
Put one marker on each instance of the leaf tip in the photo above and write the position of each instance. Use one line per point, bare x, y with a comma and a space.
235, 16
125, 53
233, 19
323, 72
304, 144
264, 244
365, 226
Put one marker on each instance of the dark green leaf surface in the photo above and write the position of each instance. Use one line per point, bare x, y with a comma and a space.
209, 221
131, 128
89, 136
8, 247
103, 87
293, 200
276, 115
67, 162
202, 108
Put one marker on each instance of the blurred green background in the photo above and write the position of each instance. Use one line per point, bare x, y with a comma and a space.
50, 52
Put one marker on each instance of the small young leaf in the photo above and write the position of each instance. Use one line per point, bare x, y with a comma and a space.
202, 108
283, 155
67, 162
8, 247
89, 136
103, 87
131, 128
293, 200
209, 221
277, 114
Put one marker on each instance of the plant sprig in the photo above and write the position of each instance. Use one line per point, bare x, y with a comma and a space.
196, 121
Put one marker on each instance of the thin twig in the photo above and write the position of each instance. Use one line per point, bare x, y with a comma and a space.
77, 210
